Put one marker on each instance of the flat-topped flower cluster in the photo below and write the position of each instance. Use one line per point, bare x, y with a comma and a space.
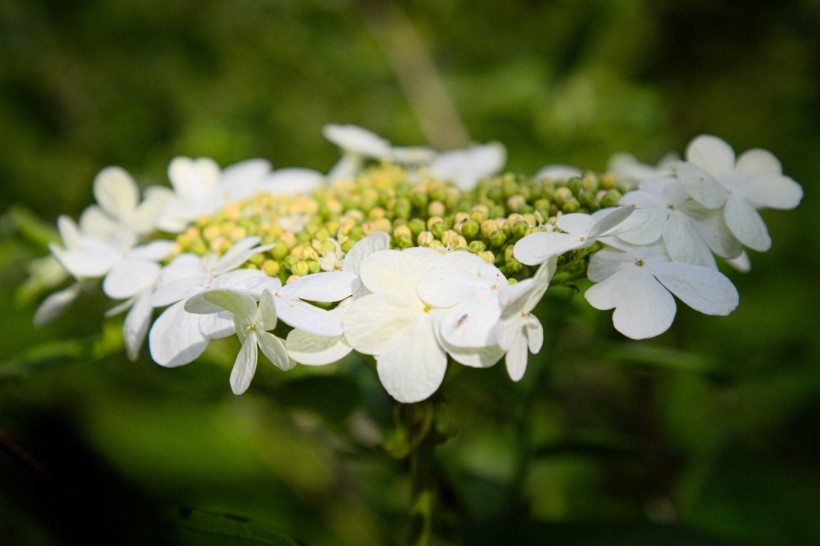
415, 257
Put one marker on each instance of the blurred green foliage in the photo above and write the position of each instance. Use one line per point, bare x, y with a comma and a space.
707, 435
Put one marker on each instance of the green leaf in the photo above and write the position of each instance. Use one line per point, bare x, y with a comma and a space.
186, 527
649, 354
331, 397
529, 533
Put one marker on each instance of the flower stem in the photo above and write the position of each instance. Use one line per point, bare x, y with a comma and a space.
422, 462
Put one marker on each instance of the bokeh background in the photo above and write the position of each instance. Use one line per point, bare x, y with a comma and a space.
706, 435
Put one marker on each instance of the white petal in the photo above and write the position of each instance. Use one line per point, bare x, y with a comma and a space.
293, 181
701, 288
684, 244
155, 251
538, 247
372, 321
712, 154
392, 271
274, 350
353, 138
447, 286
193, 178
325, 286
604, 263
711, 226
614, 221
466, 167
90, 261
757, 161
535, 333
116, 192
136, 324
651, 230
128, 278
701, 185
483, 357
69, 231
576, 223
304, 316
516, 358
177, 290
238, 254
412, 366
316, 350
218, 325
245, 365
239, 304
266, 316
144, 219
746, 224
773, 191
558, 172
470, 323
742, 263
363, 248
643, 308
55, 304
175, 338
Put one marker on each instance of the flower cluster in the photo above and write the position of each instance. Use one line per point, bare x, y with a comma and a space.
414, 257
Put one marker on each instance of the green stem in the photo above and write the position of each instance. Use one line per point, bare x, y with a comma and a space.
422, 463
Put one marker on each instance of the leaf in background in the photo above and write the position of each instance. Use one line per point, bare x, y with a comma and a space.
31, 227
185, 527
655, 355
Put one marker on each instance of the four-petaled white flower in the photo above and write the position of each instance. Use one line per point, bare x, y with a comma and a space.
578, 230
755, 181
396, 326
178, 337
518, 330
639, 283
252, 322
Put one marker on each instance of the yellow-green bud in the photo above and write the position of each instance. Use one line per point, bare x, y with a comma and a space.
301, 268
438, 229
516, 202
436, 208
611, 198
270, 267
470, 229
425, 238
571, 206
498, 238
416, 225
562, 195
487, 256
477, 246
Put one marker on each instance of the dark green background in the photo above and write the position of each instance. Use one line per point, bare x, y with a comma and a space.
706, 435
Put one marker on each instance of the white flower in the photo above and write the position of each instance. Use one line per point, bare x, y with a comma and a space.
318, 350
396, 325
674, 217
197, 192
714, 179
639, 281
579, 231
357, 145
518, 330
179, 337
472, 292
558, 172
252, 323
630, 171
466, 167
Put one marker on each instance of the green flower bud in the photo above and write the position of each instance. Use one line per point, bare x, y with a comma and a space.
470, 229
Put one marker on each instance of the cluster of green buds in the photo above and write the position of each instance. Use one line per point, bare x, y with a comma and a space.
311, 233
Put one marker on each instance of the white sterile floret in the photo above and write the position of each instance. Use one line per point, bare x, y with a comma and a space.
578, 230
630, 171
196, 192
674, 217
639, 283
558, 172
252, 323
465, 168
754, 181
518, 330
318, 350
179, 337
119, 208
471, 292
357, 145
396, 325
